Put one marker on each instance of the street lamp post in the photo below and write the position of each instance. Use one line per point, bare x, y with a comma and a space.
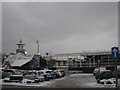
38, 46
47, 58
38, 52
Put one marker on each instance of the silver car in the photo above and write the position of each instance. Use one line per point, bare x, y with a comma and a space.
34, 75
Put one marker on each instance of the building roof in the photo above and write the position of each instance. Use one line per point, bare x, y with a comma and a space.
21, 61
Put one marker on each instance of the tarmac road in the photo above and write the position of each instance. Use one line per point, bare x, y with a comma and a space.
72, 81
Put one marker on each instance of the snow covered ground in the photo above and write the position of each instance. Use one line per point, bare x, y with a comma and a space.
84, 80
92, 83
23, 83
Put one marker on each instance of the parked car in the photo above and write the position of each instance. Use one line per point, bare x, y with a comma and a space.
12, 74
3, 74
52, 74
62, 72
106, 75
58, 73
34, 75
16, 78
30, 75
23, 72
48, 74
8, 72
99, 70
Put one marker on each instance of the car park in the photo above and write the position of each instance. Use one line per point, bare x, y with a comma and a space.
30, 76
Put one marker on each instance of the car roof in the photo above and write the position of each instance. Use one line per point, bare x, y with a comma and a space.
45, 70
106, 71
10, 69
57, 70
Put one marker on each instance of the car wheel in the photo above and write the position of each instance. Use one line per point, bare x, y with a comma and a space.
98, 81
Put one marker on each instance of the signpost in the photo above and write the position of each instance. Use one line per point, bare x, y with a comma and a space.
115, 54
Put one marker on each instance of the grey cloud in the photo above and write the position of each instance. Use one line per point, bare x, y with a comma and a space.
57, 23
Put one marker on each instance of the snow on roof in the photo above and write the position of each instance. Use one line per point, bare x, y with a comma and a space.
21, 61
20, 55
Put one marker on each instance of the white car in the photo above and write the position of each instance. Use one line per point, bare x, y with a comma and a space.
99, 69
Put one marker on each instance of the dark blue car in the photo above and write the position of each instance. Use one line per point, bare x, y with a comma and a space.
48, 74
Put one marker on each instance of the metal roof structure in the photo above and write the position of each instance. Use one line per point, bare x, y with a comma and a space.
22, 61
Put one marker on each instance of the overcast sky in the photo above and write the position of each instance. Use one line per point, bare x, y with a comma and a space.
61, 27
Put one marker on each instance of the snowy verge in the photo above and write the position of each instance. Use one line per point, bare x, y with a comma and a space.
105, 83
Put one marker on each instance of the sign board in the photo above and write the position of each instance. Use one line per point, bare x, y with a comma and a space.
115, 52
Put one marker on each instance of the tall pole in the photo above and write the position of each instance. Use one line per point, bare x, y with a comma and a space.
115, 55
116, 72
47, 59
38, 51
38, 46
